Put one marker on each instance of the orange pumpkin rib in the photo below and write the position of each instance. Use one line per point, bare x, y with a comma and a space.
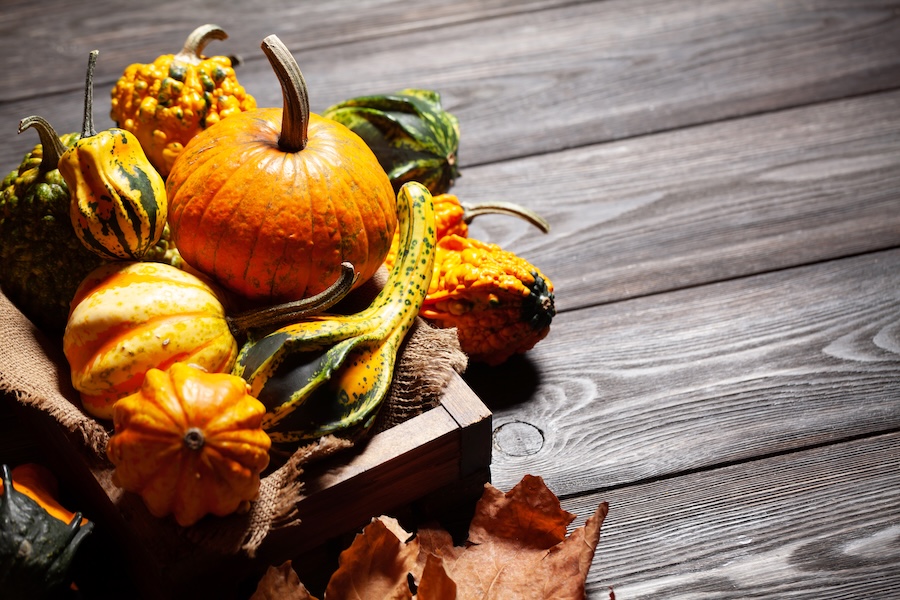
231, 248
280, 234
293, 260
209, 168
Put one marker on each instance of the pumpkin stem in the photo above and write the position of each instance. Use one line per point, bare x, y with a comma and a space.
470, 211
87, 124
295, 118
293, 311
193, 438
197, 41
52, 146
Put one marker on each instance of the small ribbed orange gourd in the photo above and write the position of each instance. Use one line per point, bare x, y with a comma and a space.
190, 443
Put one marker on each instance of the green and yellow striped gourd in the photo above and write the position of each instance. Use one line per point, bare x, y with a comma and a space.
330, 373
119, 206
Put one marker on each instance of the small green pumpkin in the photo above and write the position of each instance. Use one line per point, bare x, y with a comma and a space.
37, 549
119, 207
42, 261
409, 132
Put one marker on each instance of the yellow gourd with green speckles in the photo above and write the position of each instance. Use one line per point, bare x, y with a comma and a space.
129, 317
329, 374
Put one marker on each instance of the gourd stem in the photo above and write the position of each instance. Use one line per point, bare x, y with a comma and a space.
292, 311
470, 211
197, 41
52, 146
87, 124
295, 117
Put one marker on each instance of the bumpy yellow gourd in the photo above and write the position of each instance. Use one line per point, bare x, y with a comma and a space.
499, 303
167, 102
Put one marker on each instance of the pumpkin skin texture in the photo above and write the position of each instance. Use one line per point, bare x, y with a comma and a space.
270, 202
329, 374
37, 549
129, 317
167, 102
189, 443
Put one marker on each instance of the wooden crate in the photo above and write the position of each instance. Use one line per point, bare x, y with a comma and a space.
442, 453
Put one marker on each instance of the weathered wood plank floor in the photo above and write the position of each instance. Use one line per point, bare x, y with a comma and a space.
723, 183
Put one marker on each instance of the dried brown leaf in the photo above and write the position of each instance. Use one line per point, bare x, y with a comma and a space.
435, 584
376, 565
517, 546
281, 583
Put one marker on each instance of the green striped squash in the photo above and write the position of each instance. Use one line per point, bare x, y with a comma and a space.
409, 132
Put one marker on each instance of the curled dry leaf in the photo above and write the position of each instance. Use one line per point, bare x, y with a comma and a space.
281, 583
517, 548
376, 565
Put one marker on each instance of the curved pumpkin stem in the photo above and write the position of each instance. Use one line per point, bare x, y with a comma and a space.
294, 311
52, 146
295, 119
87, 123
197, 41
470, 211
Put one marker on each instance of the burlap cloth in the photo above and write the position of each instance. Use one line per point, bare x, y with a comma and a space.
34, 370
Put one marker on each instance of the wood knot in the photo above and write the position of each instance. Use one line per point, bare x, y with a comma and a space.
518, 438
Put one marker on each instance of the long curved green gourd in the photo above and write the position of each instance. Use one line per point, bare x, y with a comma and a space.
330, 373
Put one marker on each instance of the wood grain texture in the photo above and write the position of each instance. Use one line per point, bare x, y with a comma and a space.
722, 178
702, 377
703, 204
543, 80
817, 524
58, 46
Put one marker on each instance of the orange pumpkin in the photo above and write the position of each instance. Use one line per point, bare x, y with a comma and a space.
190, 443
269, 202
